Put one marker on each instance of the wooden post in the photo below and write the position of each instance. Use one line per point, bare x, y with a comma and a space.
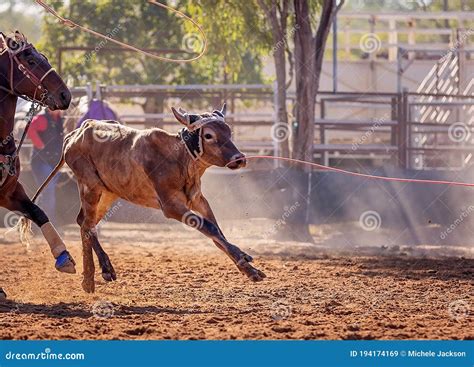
402, 129
322, 135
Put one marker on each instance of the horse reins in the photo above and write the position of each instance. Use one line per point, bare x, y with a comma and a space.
36, 104
37, 82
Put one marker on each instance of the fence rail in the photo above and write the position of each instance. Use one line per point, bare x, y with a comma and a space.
369, 127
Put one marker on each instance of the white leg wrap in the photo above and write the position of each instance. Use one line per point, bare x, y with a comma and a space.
54, 240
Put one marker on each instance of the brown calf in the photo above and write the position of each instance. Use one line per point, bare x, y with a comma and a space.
151, 168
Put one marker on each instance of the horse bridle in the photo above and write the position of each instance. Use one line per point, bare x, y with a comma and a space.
37, 82
7, 162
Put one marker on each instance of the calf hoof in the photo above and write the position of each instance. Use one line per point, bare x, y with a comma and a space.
108, 271
257, 275
248, 258
3, 295
253, 274
65, 263
108, 277
88, 286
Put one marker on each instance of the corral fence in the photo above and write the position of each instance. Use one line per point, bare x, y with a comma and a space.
407, 129
407, 134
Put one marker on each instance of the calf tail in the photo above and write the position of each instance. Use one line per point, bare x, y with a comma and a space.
50, 177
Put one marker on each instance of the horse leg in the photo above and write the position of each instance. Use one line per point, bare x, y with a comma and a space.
19, 201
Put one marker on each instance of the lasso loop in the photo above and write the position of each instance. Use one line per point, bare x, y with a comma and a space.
71, 24
364, 175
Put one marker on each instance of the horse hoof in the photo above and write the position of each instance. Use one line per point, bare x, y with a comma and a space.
3, 295
65, 263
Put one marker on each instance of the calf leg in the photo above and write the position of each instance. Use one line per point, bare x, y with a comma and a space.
207, 225
19, 201
90, 197
108, 271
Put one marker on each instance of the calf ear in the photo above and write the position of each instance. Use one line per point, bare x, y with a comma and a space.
181, 116
224, 109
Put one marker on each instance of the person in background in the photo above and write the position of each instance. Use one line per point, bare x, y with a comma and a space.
46, 134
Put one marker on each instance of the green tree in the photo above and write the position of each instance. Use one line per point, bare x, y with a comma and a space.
14, 18
147, 26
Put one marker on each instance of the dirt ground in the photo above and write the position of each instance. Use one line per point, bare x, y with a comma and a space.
173, 284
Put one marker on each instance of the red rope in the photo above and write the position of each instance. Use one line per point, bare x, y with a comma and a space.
339, 170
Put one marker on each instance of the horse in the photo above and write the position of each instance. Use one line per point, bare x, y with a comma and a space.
26, 73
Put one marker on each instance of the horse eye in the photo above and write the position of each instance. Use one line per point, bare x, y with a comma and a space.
207, 136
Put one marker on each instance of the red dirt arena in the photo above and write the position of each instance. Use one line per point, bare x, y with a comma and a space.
174, 284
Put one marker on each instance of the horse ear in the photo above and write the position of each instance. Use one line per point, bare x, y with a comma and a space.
181, 116
224, 109
19, 37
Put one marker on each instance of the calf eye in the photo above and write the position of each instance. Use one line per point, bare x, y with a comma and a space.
207, 136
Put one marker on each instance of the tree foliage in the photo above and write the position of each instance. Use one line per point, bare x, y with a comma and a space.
233, 54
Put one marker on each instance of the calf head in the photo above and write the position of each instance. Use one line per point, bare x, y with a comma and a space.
207, 137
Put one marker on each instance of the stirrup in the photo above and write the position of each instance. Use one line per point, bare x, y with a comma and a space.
65, 263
